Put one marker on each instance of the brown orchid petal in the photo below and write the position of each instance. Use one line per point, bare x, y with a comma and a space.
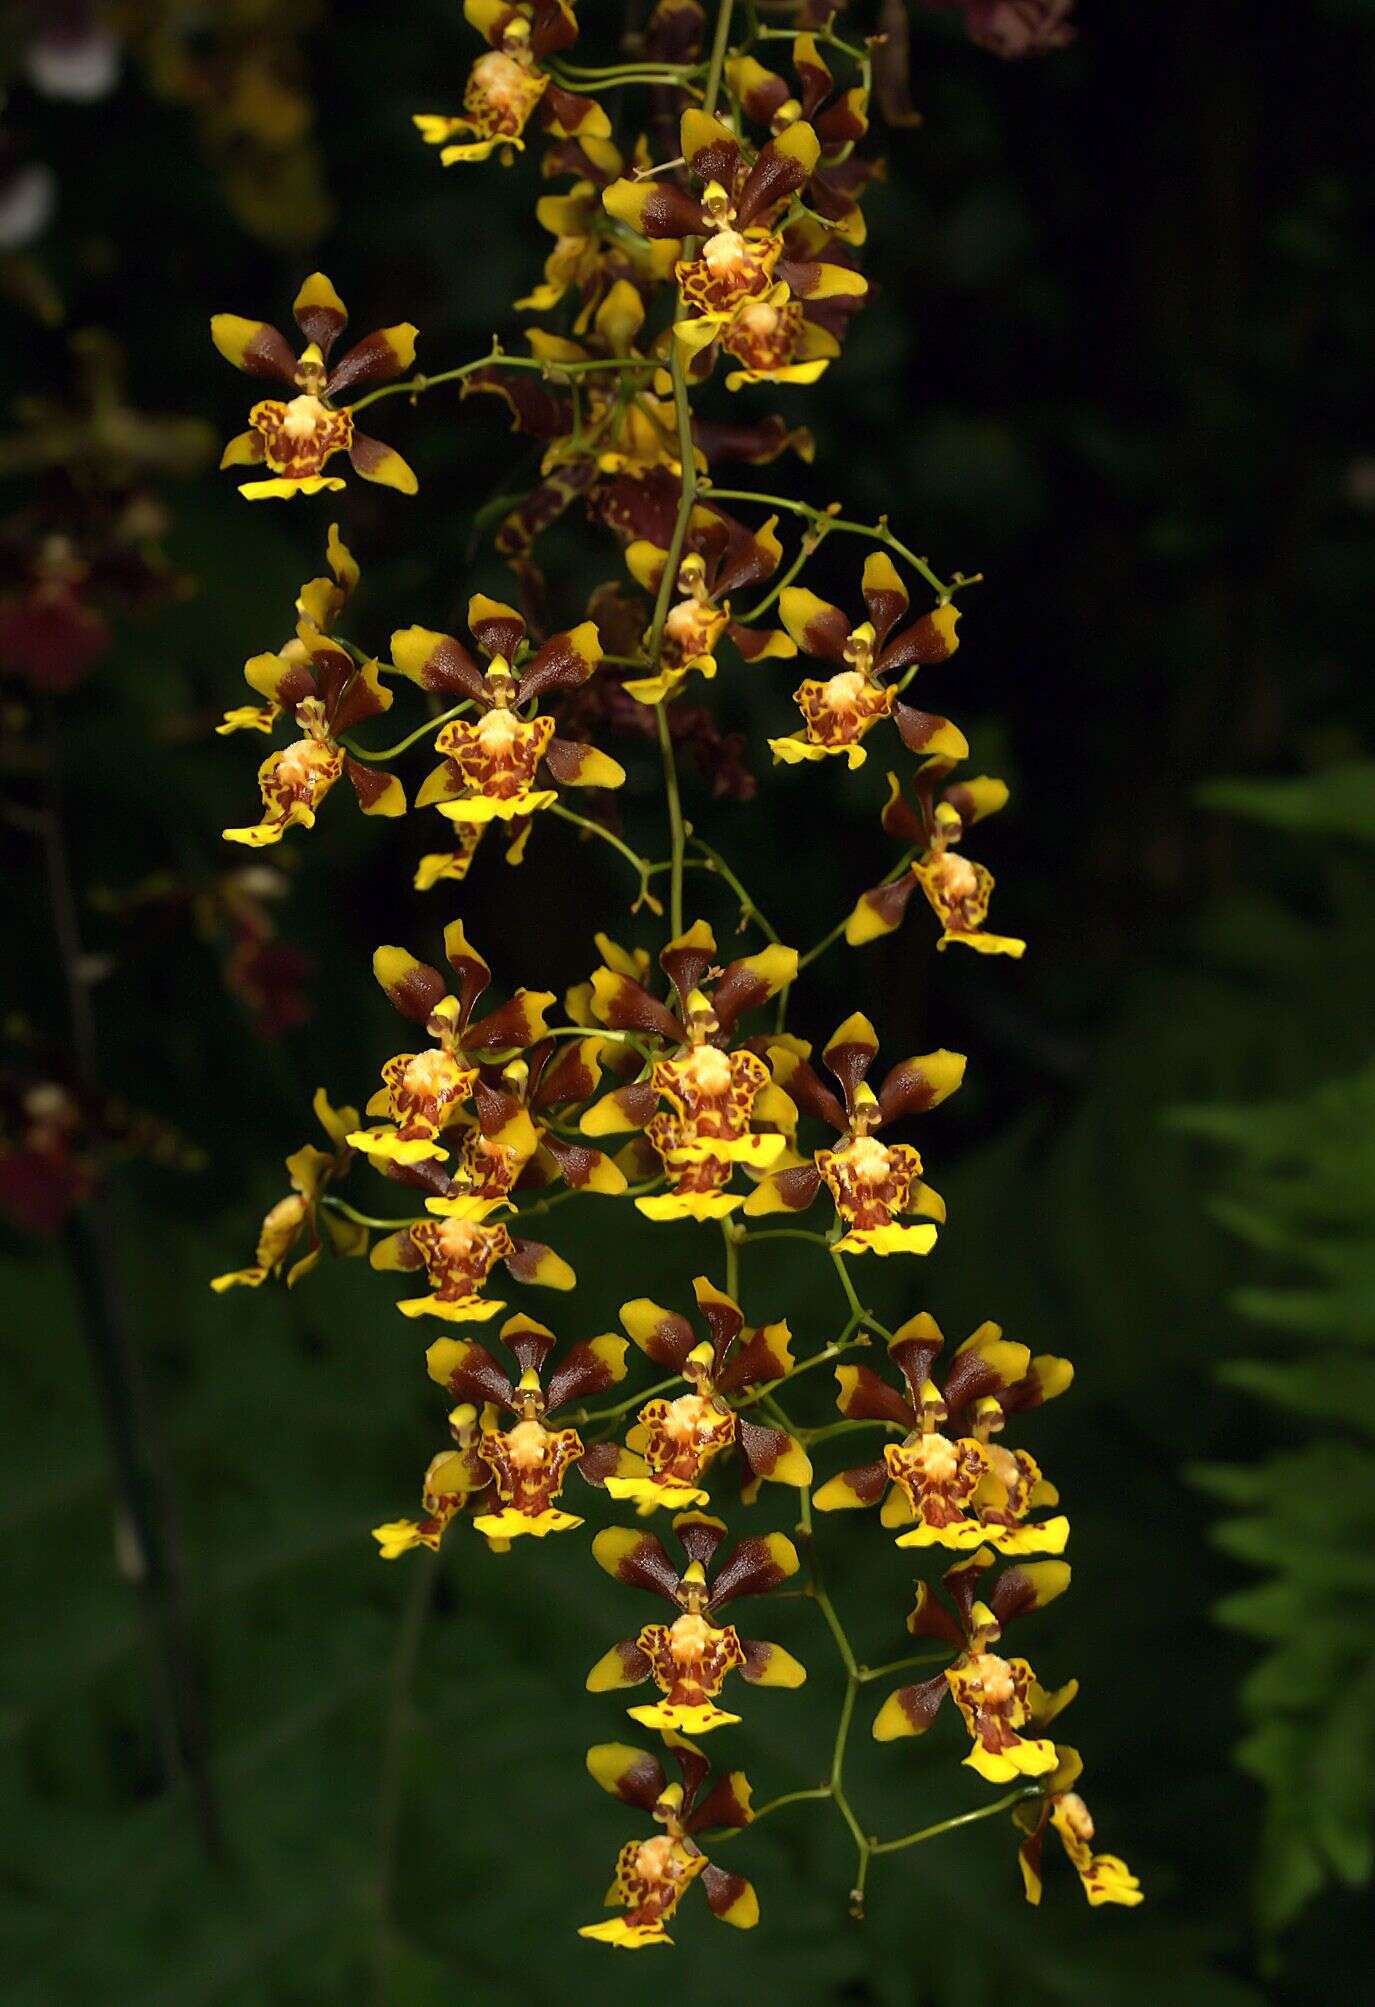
587, 1369
726, 1804
497, 628
537, 409
700, 1534
412, 987
753, 1568
474, 974
920, 1704
781, 169
640, 1560
564, 662
864, 1397
255, 347
378, 358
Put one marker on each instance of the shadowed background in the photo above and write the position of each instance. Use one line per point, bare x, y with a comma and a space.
1116, 362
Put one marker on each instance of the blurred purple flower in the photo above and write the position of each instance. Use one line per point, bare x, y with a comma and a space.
1016, 28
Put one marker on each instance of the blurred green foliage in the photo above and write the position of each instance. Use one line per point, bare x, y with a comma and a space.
1118, 363
1301, 1193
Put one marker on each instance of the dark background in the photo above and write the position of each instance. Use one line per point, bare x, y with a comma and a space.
1117, 363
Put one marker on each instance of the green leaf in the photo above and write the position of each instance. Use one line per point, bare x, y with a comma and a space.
1338, 801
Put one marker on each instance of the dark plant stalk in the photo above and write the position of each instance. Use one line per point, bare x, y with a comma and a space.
142, 1487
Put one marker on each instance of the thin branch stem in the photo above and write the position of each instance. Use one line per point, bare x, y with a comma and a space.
682, 411
867, 1673
142, 1483
713, 861
1004, 1804
586, 1416
338, 1205
772, 1805
878, 532
676, 828
811, 543
788, 1233
554, 372
829, 940
377, 755
641, 864
863, 1844
732, 1240
592, 85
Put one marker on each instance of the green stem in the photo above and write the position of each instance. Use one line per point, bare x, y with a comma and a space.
825, 1605
683, 420
586, 1416
717, 62
641, 864
903, 1665
590, 87
826, 941
821, 1358
676, 829
654, 645
890, 877
863, 1844
879, 532
1003, 1804
827, 1430
655, 73
402, 745
772, 1805
811, 543
337, 1205
714, 862
857, 1310
732, 1239
820, 35
788, 1233
556, 372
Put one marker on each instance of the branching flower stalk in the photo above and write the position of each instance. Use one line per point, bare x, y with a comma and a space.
718, 240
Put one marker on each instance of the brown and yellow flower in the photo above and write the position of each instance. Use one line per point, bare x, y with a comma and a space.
1002, 1703
298, 1217
619, 432
509, 85
326, 691
1105, 1878
957, 1489
742, 256
491, 763
716, 1098
590, 255
720, 556
297, 439
425, 1093
871, 1183
957, 890
615, 448
318, 606
839, 118
677, 1440
839, 711
653, 1875
530, 1459
458, 1253
690, 1658
455, 1480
